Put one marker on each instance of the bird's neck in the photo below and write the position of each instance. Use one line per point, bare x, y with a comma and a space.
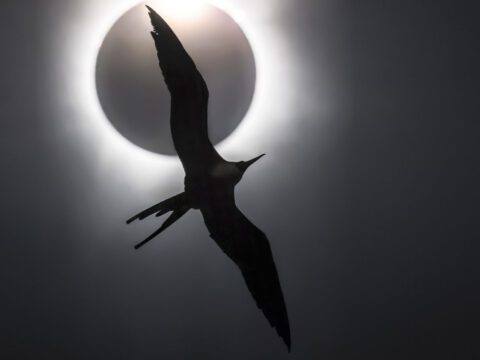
225, 171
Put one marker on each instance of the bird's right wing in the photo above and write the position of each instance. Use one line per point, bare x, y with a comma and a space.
189, 98
249, 249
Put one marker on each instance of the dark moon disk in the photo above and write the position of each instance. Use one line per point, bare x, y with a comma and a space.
130, 85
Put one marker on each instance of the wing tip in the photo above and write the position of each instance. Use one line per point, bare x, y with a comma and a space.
286, 338
288, 343
152, 13
157, 22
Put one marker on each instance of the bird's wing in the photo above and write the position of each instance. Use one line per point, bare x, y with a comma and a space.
249, 248
189, 98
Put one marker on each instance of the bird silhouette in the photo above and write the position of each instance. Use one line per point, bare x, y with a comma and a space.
210, 180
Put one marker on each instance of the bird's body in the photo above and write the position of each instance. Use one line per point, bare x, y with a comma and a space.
210, 180
201, 188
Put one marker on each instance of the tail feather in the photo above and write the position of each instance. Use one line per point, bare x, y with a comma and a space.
176, 214
178, 204
161, 208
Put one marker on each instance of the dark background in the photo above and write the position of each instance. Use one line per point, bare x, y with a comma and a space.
371, 208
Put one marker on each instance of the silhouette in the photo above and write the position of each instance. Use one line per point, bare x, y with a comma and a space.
210, 181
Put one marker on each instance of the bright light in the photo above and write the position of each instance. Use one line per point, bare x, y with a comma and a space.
80, 38
179, 8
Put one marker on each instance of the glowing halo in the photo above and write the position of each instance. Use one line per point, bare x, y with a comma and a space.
268, 117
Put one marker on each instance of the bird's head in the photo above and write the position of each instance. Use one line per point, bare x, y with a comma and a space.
244, 165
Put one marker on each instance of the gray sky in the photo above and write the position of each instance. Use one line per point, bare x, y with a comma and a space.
368, 203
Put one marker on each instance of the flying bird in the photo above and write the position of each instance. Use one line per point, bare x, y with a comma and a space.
210, 180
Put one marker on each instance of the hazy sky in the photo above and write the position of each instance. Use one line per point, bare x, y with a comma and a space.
367, 195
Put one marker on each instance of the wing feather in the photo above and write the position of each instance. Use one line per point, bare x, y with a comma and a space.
189, 98
249, 249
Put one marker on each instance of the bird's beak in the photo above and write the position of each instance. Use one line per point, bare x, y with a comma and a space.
250, 162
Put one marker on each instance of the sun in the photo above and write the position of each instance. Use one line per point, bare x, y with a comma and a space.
80, 38
136, 100
185, 9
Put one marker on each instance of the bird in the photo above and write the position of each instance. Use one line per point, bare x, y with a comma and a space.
210, 180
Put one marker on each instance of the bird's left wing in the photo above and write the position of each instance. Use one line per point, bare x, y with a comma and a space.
189, 98
249, 248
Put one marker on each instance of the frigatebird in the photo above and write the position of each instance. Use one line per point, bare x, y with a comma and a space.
210, 180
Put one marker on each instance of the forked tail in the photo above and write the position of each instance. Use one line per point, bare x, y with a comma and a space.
178, 204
